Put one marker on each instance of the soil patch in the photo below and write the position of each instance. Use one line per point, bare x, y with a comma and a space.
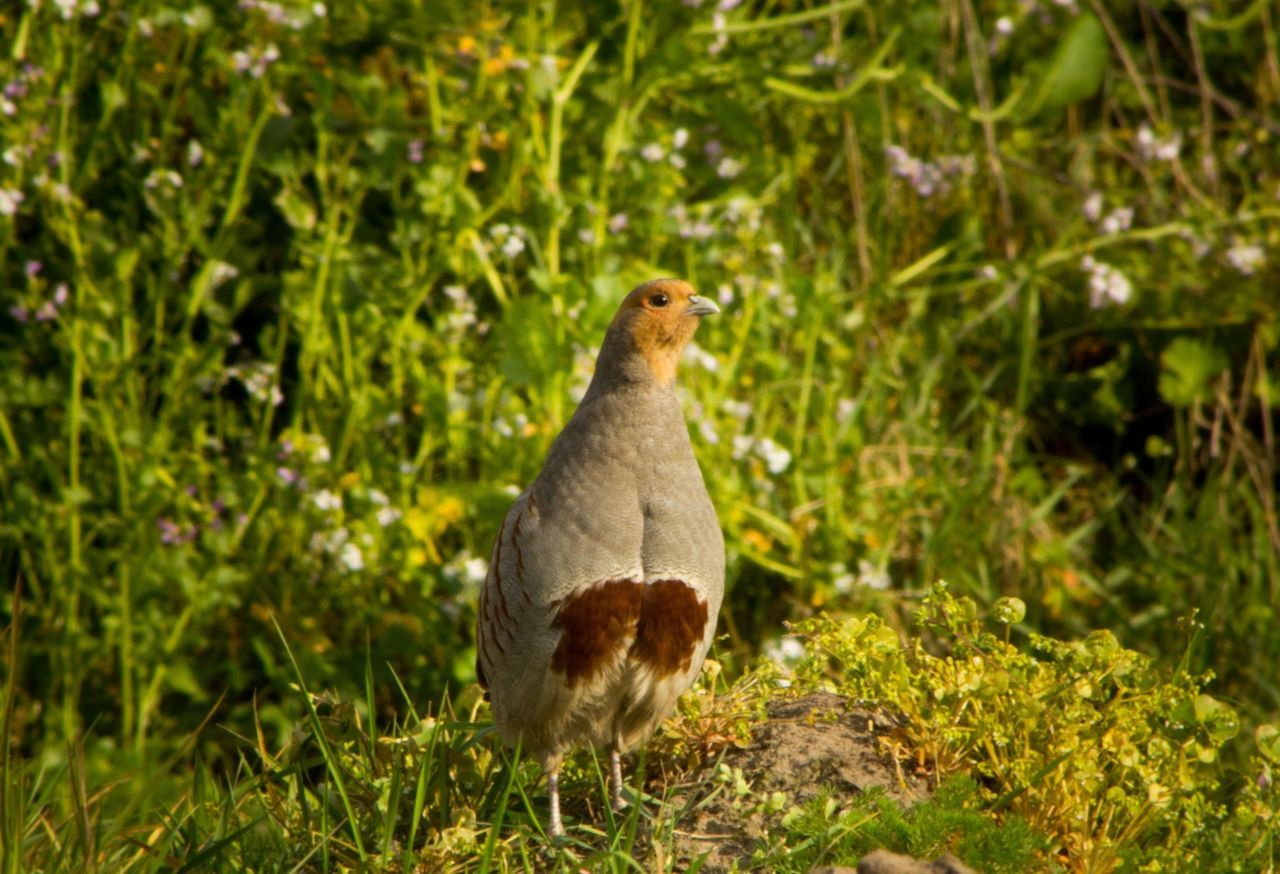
806, 746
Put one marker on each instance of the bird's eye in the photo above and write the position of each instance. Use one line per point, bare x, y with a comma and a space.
659, 300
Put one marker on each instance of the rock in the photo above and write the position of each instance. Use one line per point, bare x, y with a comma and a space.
884, 862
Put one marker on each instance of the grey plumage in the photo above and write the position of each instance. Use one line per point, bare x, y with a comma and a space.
608, 571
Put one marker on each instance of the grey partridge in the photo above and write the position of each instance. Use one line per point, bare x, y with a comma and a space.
607, 574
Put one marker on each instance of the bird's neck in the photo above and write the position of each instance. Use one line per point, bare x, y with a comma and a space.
622, 366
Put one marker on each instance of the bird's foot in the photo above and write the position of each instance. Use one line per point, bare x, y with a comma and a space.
615, 781
555, 828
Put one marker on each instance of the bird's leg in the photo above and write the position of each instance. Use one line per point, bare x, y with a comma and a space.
553, 796
615, 779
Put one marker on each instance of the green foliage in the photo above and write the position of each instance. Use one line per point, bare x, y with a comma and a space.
1078, 66
950, 822
1188, 368
1088, 742
293, 298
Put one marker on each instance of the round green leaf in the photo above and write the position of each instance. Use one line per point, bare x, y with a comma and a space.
1267, 737
1009, 611
1078, 65
1219, 720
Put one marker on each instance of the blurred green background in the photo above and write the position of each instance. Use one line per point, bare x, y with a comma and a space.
295, 297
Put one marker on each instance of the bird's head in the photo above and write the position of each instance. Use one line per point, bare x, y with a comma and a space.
653, 325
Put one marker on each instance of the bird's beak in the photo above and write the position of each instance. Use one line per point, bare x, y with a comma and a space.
701, 306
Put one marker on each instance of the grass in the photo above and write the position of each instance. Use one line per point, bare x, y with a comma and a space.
291, 298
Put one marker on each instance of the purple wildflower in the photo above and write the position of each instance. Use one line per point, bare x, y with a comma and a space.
171, 533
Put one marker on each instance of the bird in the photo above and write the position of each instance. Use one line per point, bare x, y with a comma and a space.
606, 576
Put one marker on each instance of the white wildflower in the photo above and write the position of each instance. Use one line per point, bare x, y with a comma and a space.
1092, 207
696, 355
327, 500
776, 458
474, 570
256, 61
1107, 285
699, 230
872, 576
707, 429
157, 178
221, 273
653, 153
259, 381
513, 246
459, 295
10, 198
351, 557
467, 569
1119, 219
718, 23
785, 650
728, 168
1247, 258
1151, 147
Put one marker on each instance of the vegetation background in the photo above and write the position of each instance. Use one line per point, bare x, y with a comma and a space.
295, 297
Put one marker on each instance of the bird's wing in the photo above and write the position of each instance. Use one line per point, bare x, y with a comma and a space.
556, 603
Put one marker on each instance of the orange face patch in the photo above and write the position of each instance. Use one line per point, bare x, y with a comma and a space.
657, 318
661, 623
659, 296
